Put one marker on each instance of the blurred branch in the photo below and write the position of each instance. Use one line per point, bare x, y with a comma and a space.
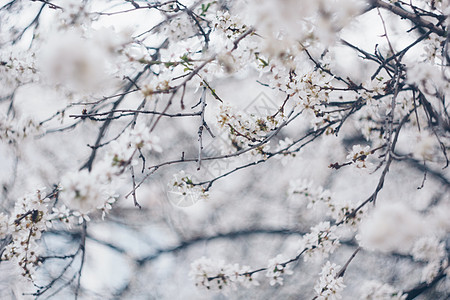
423, 287
227, 235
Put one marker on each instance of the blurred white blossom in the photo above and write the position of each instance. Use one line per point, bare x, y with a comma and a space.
216, 275
83, 191
391, 227
375, 290
26, 225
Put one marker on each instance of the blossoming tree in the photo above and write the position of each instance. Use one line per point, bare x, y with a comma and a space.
250, 149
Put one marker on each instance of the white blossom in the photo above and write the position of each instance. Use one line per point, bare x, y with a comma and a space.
182, 191
285, 157
74, 12
216, 275
329, 285
140, 138
16, 130
85, 191
320, 242
26, 225
247, 129
308, 192
178, 28
80, 62
359, 156
276, 269
17, 67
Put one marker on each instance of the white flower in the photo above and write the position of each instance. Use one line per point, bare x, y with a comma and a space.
61, 212
82, 191
179, 28
108, 204
17, 68
247, 279
182, 191
276, 269
74, 12
302, 188
230, 26
140, 138
122, 150
320, 242
329, 285
285, 157
216, 275
14, 130
358, 156
245, 130
306, 191
26, 225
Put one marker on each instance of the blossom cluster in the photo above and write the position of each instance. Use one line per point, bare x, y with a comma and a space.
283, 148
304, 190
316, 196
216, 275
276, 268
183, 192
81, 193
84, 192
179, 28
330, 284
16, 68
308, 89
13, 130
25, 227
291, 46
248, 130
320, 242
131, 142
230, 26
358, 156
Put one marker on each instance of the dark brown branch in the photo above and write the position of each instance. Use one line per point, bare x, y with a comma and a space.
423, 287
410, 16
105, 125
